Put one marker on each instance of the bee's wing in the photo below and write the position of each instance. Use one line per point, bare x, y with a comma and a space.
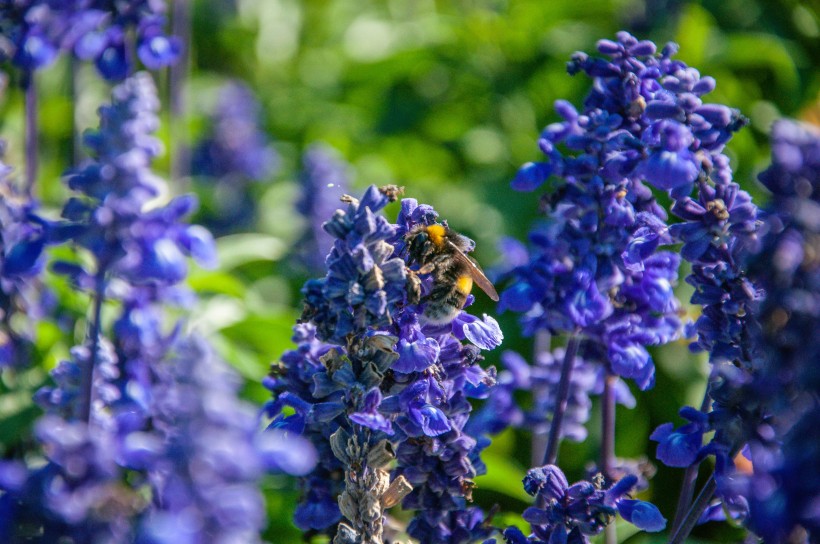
475, 272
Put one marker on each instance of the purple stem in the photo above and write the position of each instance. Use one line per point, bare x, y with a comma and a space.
76, 137
608, 425
690, 476
31, 132
87, 377
130, 39
694, 513
181, 27
608, 442
551, 453
539, 438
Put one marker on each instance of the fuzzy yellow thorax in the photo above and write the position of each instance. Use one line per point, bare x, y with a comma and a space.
436, 234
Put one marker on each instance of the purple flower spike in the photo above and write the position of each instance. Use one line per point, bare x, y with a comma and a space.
369, 370
589, 262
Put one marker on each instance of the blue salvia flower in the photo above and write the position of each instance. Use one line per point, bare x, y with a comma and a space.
573, 513
38, 31
593, 266
22, 241
164, 412
365, 281
324, 178
673, 141
666, 136
785, 382
112, 218
201, 455
236, 150
368, 366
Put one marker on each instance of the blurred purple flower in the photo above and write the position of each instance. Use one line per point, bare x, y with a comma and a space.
22, 292
38, 31
324, 178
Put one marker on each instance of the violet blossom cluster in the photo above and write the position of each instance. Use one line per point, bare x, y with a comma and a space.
324, 178
680, 142
573, 513
368, 364
592, 270
595, 268
782, 489
144, 437
233, 154
24, 300
36, 32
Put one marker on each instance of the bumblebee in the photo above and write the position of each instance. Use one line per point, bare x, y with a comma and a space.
440, 251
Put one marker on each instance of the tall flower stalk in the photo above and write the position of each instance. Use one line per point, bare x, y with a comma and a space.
643, 125
784, 382
369, 366
143, 427
24, 300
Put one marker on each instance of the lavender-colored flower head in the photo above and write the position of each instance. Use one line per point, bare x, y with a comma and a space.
114, 220
782, 490
202, 457
324, 178
593, 264
37, 31
573, 513
147, 406
674, 142
22, 293
595, 268
383, 376
236, 150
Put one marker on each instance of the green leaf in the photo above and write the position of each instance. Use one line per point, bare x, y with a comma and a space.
218, 281
267, 335
238, 249
759, 50
505, 477
696, 25
250, 365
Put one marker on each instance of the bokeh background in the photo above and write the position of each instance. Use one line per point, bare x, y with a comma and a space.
445, 98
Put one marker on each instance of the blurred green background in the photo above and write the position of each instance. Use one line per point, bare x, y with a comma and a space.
446, 99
